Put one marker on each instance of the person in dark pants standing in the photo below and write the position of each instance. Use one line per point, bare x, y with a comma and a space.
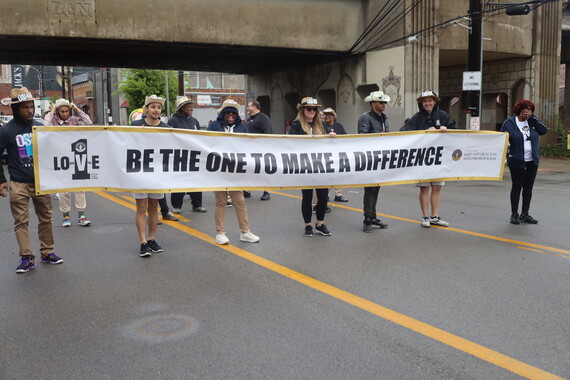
258, 122
332, 125
309, 123
183, 119
373, 121
16, 137
523, 156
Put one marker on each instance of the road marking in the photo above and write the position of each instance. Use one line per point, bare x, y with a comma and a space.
442, 336
132, 200
465, 232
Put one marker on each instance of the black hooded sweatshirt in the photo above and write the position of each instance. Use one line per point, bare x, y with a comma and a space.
16, 138
423, 120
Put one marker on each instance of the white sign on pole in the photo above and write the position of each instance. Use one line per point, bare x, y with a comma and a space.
474, 124
203, 100
471, 81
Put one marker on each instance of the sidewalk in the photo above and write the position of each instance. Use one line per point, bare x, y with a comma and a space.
553, 165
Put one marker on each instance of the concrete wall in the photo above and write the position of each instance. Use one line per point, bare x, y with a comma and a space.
271, 23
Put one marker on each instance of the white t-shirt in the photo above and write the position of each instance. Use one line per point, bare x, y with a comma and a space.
525, 130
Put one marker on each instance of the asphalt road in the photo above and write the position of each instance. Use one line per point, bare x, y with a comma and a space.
481, 299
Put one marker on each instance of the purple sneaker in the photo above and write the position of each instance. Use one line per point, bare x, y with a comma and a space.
51, 258
26, 263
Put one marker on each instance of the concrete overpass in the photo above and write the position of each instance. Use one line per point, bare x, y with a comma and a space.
251, 36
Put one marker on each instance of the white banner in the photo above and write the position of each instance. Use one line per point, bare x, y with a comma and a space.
138, 159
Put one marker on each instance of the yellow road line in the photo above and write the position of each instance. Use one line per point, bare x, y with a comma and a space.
465, 232
452, 340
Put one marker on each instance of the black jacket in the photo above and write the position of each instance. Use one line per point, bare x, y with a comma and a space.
371, 122
422, 120
259, 123
337, 127
515, 155
179, 121
16, 138
297, 129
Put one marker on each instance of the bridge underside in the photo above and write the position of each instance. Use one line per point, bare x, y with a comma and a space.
161, 55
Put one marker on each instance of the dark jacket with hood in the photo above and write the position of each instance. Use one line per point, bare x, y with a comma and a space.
515, 154
16, 138
371, 122
422, 120
183, 122
220, 125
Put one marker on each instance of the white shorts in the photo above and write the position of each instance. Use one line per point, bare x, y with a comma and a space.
148, 195
436, 183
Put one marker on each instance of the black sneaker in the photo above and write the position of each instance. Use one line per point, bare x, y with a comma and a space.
266, 196
154, 247
366, 226
515, 218
309, 231
26, 263
377, 223
145, 250
247, 194
526, 218
340, 199
323, 230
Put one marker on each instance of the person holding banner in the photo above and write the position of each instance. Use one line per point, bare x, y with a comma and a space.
153, 111
16, 137
430, 117
183, 119
523, 156
148, 202
309, 123
60, 115
373, 121
228, 121
258, 122
332, 125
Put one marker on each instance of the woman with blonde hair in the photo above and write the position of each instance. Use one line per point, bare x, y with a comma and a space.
308, 123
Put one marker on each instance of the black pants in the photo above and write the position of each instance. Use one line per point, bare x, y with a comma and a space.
177, 198
370, 199
522, 178
163, 206
307, 204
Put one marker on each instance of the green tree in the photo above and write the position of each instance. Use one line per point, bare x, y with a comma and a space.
140, 83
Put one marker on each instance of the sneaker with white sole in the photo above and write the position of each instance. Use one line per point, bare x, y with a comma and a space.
83, 221
426, 222
154, 247
222, 239
66, 221
437, 221
323, 230
248, 237
176, 211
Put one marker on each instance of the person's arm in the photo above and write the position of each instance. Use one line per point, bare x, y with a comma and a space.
49, 118
295, 129
85, 119
266, 125
364, 124
538, 124
3, 182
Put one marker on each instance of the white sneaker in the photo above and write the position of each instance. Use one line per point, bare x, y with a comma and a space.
222, 239
249, 237
437, 221
176, 210
426, 222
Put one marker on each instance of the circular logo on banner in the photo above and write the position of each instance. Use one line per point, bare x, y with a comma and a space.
80, 147
457, 154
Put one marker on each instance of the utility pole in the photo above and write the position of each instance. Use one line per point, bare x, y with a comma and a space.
181, 83
109, 97
474, 60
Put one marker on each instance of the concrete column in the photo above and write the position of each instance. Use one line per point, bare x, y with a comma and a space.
421, 57
545, 74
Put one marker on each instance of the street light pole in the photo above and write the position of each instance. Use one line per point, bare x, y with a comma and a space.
475, 57
40, 80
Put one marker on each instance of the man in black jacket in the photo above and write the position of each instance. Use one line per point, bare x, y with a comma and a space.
258, 122
183, 119
430, 117
16, 137
373, 121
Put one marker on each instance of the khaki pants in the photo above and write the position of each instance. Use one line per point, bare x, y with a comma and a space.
65, 201
20, 194
239, 206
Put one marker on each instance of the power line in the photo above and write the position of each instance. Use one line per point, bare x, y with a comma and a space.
370, 27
